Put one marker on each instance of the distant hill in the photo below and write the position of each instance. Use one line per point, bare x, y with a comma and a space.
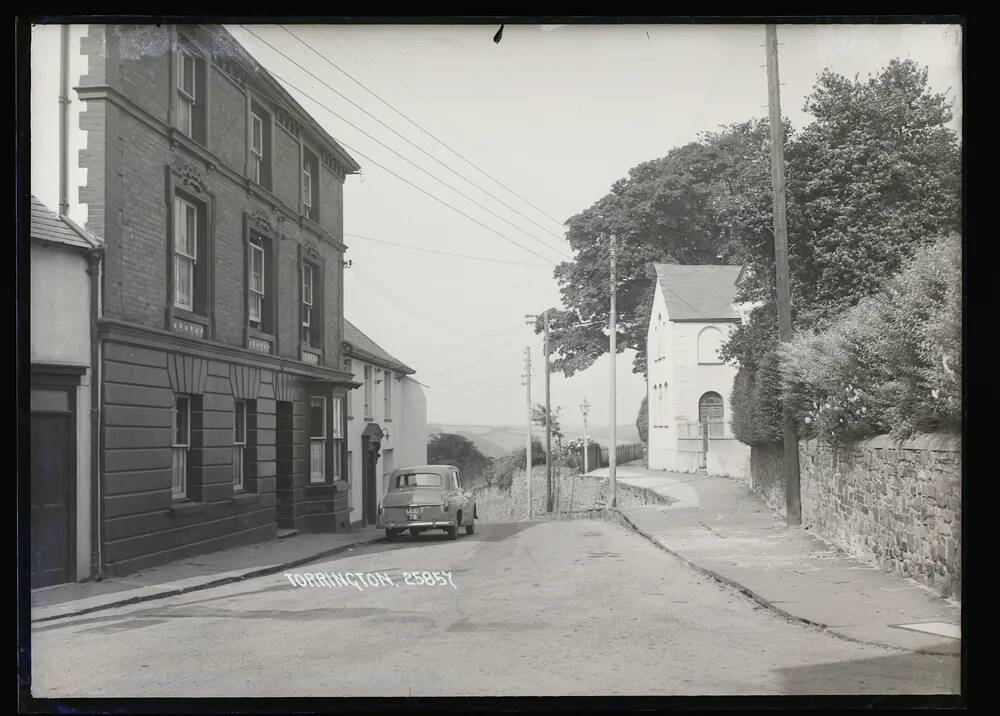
498, 440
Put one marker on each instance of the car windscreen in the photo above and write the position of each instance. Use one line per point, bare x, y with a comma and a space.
416, 479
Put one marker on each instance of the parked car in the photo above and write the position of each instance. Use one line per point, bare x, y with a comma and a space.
426, 497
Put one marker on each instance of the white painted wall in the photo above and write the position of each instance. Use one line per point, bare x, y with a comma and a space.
673, 359
45, 50
60, 333
406, 425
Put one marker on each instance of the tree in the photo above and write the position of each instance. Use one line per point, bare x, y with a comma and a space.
642, 420
690, 206
873, 179
458, 450
538, 418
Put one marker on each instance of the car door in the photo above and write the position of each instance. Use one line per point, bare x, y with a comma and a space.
461, 496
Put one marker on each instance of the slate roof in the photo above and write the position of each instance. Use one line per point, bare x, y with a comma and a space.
699, 292
48, 226
358, 345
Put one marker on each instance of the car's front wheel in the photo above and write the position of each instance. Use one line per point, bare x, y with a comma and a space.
452, 532
390, 534
470, 529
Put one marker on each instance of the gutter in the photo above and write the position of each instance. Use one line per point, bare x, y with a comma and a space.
96, 393
63, 119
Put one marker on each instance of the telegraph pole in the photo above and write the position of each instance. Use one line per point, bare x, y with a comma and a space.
548, 424
585, 408
613, 448
527, 454
793, 503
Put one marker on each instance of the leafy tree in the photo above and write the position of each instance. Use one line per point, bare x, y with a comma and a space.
687, 207
458, 450
642, 420
538, 418
502, 470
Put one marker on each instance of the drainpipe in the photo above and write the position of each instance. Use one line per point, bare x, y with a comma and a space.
63, 120
96, 392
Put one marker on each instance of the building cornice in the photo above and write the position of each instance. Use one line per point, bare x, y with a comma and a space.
146, 337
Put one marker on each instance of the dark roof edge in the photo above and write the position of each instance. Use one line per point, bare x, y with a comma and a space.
349, 163
355, 352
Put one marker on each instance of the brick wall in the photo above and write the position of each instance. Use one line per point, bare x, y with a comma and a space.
895, 504
127, 157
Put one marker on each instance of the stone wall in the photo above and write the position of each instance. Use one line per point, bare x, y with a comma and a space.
767, 474
895, 504
570, 493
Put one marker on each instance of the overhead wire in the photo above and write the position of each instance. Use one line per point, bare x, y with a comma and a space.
408, 182
386, 146
429, 134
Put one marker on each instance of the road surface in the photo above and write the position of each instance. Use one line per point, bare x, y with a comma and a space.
551, 608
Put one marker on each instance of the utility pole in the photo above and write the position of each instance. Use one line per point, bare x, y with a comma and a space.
527, 458
548, 424
585, 408
613, 447
793, 503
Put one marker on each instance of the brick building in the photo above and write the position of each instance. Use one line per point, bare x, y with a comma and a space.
220, 203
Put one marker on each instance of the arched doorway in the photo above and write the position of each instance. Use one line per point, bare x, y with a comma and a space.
710, 417
710, 413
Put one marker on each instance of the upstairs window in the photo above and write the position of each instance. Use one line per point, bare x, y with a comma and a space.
369, 389
310, 185
189, 255
191, 95
260, 284
307, 304
387, 380
260, 146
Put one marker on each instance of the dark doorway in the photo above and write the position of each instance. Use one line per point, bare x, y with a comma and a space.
371, 442
53, 486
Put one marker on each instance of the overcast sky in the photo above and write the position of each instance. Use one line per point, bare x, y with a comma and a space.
556, 113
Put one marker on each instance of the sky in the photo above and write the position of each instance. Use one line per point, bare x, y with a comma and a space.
555, 113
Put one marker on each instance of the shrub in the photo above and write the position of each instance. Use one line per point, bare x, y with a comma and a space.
892, 363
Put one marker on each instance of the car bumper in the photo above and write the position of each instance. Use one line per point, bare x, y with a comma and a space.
423, 524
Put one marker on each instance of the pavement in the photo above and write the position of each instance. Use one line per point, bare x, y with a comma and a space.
201, 572
718, 526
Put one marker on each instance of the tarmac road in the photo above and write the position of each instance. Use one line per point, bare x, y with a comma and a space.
551, 608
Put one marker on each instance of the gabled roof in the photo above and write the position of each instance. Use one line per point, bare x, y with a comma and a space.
358, 345
698, 292
48, 226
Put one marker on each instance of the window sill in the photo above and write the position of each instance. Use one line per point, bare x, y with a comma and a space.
387, 420
246, 497
179, 508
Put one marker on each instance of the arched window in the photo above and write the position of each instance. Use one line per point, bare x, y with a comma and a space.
710, 411
709, 343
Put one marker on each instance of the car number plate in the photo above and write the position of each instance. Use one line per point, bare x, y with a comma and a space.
413, 513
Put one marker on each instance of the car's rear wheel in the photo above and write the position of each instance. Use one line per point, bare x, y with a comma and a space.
414, 533
390, 534
470, 529
452, 532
